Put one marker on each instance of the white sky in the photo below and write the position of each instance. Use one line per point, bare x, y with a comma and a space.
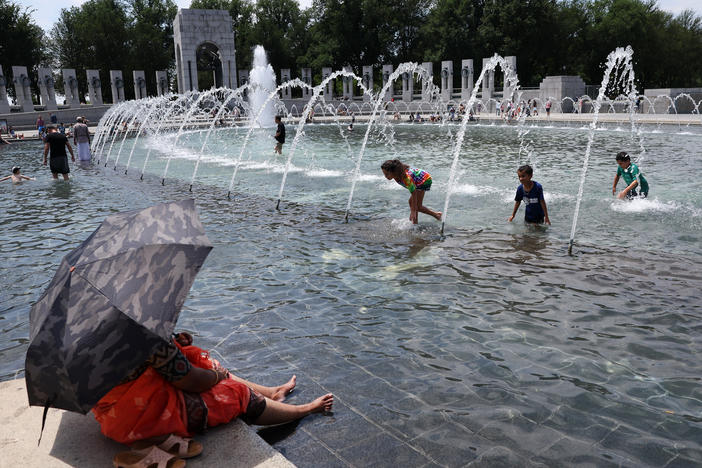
46, 12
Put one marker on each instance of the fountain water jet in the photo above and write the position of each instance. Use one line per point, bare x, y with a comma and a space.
618, 57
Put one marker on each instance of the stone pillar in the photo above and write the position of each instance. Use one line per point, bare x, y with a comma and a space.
367, 80
306, 78
161, 82
285, 76
70, 88
427, 83
4, 105
557, 88
488, 85
23, 93
446, 80
94, 87
466, 78
139, 78
508, 90
348, 83
47, 88
407, 86
117, 85
387, 71
329, 87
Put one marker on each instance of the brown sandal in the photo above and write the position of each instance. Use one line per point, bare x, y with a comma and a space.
148, 458
175, 445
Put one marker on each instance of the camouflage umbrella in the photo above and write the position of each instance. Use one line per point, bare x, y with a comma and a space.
112, 300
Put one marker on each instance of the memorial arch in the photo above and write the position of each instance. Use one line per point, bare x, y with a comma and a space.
204, 37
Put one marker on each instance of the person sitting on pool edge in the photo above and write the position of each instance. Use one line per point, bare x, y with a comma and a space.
535, 211
631, 174
181, 390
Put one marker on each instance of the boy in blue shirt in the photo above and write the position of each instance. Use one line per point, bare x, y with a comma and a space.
631, 175
533, 195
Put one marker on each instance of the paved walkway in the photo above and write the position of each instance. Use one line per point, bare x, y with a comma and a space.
72, 439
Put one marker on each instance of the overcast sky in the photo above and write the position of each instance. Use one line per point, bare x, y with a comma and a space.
46, 12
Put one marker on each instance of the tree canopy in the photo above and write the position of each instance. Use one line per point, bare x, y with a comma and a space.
548, 37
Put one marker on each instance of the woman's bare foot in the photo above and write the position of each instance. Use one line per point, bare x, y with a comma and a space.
322, 404
284, 390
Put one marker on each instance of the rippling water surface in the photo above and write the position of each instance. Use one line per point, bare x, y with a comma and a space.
489, 345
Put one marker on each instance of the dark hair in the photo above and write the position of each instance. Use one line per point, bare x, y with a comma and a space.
526, 169
394, 166
15, 170
277, 117
623, 156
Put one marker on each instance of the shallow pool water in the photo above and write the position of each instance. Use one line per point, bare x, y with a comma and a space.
489, 344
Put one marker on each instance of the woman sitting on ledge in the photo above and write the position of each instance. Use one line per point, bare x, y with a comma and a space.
181, 390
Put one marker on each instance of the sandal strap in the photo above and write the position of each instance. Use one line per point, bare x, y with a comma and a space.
173, 440
158, 456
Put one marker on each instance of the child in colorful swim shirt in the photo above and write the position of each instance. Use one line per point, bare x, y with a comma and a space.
532, 193
631, 175
416, 181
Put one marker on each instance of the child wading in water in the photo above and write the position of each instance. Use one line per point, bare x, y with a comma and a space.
533, 195
631, 175
16, 176
416, 181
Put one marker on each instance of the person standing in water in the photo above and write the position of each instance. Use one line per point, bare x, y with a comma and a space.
279, 135
57, 143
631, 175
81, 138
416, 181
532, 193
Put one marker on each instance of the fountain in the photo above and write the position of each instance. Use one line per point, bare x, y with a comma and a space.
486, 345
262, 77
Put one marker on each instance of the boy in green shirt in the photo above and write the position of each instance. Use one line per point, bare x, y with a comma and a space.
632, 176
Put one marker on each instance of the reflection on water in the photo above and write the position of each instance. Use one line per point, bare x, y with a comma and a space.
488, 344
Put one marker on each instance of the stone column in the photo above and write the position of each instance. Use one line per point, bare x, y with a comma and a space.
329, 87
285, 76
161, 82
407, 86
243, 80
117, 85
4, 105
488, 85
466, 78
94, 87
367, 80
387, 71
70, 88
46, 88
23, 93
306, 78
446, 80
508, 90
427, 83
348, 83
139, 78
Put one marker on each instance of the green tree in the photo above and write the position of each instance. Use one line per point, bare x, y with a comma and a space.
95, 35
151, 41
20, 42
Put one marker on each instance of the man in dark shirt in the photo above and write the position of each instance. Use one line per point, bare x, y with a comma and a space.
279, 135
57, 143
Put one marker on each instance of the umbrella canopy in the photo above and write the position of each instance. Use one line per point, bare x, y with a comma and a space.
111, 302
